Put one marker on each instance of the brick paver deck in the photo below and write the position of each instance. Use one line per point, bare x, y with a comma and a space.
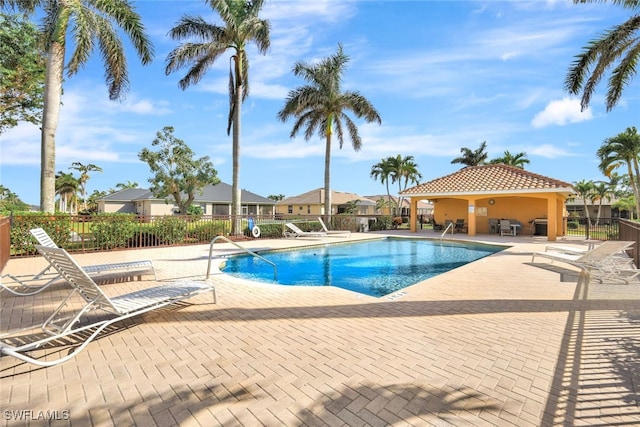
499, 342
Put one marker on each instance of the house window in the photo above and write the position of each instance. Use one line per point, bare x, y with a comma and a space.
290, 209
308, 209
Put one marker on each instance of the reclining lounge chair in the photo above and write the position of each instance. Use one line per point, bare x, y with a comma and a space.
119, 308
296, 232
338, 233
136, 268
607, 261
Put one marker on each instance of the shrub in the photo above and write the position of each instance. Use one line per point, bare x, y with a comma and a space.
113, 230
207, 231
58, 227
169, 230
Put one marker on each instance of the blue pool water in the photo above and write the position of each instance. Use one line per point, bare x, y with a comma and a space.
375, 268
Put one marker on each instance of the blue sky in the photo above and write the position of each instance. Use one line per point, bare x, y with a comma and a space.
442, 74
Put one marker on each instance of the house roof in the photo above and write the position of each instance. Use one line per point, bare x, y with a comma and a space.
219, 193
490, 179
128, 194
316, 197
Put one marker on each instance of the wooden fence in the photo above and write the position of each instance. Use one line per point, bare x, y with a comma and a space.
5, 240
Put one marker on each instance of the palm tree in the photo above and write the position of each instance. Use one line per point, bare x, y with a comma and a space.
472, 158
242, 25
126, 185
620, 45
403, 171
66, 188
516, 160
620, 150
383, 170
84, 177
87, 23
601, 191
320, 107
584, 189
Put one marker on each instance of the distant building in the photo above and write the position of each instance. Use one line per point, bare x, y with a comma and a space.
214, 200
425, 207
575, 207
312, 203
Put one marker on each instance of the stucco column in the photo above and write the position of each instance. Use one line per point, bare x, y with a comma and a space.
552, 218
471, 217
413, 215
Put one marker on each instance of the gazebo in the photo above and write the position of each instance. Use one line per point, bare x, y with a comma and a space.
477, 193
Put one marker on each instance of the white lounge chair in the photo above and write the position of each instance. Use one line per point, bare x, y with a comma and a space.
607, 261
121, 307
574, 250
296, 232
134, 268
339, 233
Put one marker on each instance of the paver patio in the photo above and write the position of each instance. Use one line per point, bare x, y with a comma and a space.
499, 342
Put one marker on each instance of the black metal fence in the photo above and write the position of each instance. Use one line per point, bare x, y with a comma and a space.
593, 229
102, 232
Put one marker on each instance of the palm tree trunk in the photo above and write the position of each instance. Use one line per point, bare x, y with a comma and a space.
327, 179
51, 113
388, 195
236, 195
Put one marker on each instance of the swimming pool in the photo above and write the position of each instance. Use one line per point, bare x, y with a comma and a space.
377, 268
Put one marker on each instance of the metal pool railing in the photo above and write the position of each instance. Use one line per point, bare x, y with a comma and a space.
250, 252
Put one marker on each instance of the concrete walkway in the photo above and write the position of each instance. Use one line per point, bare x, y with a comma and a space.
499, 342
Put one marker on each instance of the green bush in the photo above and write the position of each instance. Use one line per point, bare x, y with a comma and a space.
205, 232
573, 225
58, 227
113, 230
169, 230
382, 223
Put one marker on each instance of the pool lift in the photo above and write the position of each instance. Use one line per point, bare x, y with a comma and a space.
450, 226
275, 268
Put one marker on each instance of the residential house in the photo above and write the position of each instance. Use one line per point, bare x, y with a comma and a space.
214, 200
576, 207
425, 207
312, 203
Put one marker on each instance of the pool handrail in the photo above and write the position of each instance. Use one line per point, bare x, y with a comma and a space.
250, 252
449, 226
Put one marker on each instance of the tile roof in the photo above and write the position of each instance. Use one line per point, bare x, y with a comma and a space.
219, 193
316, 197
490, 179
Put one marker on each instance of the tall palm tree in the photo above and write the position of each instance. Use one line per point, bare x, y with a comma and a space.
472, 158
517, 160
601, 190
618, 151
383, 170
86, 23
241, 26
584, 189
619, 48
84, 177
403, 171
321, 107
67, 189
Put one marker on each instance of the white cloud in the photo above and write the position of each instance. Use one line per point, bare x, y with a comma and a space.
561, 112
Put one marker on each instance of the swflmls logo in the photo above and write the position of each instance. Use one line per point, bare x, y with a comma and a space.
31, 415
